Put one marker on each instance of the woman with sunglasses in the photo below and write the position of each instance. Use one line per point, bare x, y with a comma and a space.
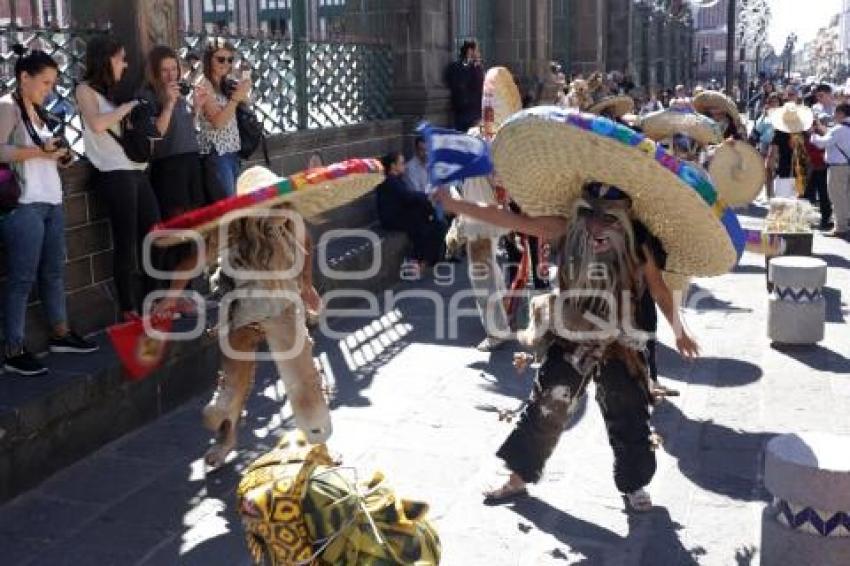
219, 134
34, 231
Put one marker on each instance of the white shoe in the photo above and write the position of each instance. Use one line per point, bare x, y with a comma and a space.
489, 344
639, 501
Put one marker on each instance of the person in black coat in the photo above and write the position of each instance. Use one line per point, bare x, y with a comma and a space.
405, 210
465, 79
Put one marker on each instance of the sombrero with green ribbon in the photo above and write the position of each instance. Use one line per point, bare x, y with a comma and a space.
309, 192
545, 155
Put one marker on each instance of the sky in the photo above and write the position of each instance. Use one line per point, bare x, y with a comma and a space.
803, 17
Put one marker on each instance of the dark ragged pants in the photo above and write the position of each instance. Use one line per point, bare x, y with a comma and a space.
624, 402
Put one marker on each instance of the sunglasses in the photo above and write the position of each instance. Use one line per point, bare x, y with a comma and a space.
223, 60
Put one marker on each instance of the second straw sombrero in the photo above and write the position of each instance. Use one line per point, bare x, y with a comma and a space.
618, 104
665, 124
738, 173
310, 192
708, 100
545, 155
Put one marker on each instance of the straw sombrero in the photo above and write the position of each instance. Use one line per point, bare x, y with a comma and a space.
738, 173
708, 100
791, 118
617, 104
546, 154
310, 193
664, 124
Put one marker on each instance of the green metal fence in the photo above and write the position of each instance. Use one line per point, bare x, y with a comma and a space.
308, 85
68, 47
335, 84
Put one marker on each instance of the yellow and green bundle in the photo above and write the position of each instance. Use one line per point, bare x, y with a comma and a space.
299, 508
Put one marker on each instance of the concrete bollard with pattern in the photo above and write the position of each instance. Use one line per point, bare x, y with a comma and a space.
796, 310
808, 521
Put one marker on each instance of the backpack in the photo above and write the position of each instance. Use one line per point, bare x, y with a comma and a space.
138, 132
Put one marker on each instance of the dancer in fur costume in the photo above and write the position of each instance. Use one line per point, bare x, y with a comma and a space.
599, 188
265, 282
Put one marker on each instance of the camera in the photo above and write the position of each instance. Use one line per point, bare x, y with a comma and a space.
185, 88
228, 85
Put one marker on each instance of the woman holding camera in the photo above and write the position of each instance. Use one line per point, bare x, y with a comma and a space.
120, 182
219, 135
175, 172
34, 230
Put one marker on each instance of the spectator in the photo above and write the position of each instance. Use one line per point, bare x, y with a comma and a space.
33, 232
651, 105
816, 183
175, 172
788, 149
762, 136
825, 103
836, 142
416, 170
465, 79
403, 209
792, 94
681, 101
219, 135
121, 183
759, 101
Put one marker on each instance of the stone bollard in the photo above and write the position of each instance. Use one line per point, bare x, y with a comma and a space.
808, 522
796, 311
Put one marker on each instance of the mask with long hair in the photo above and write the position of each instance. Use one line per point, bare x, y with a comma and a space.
600, 259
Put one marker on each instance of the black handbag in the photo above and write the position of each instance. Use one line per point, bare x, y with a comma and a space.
250, 132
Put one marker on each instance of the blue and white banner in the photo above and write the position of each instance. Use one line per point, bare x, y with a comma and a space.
454, 156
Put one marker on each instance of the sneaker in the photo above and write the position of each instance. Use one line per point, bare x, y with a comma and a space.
24, 364
489, 344
72, 343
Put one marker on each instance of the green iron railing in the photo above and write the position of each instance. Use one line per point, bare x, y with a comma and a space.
68, 47
297, 85
309, 85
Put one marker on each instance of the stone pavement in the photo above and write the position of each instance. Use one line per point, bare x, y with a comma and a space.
415, 404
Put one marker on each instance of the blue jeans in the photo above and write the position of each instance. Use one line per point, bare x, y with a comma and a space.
34, 235
225, 169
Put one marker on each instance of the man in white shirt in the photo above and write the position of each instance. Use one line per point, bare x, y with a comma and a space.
836, 142
825, 103
416, 169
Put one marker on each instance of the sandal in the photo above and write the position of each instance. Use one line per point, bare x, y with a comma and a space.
639, 501
507, 493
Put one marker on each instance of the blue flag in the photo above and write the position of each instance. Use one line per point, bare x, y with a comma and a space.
454, 156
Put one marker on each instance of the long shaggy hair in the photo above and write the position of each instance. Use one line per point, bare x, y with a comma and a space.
610, 278
262, 243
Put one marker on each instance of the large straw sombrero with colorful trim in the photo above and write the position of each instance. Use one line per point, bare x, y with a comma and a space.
665, 124
545, 155
738, 173
309, 192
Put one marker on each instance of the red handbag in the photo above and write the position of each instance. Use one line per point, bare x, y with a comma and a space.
139, 353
